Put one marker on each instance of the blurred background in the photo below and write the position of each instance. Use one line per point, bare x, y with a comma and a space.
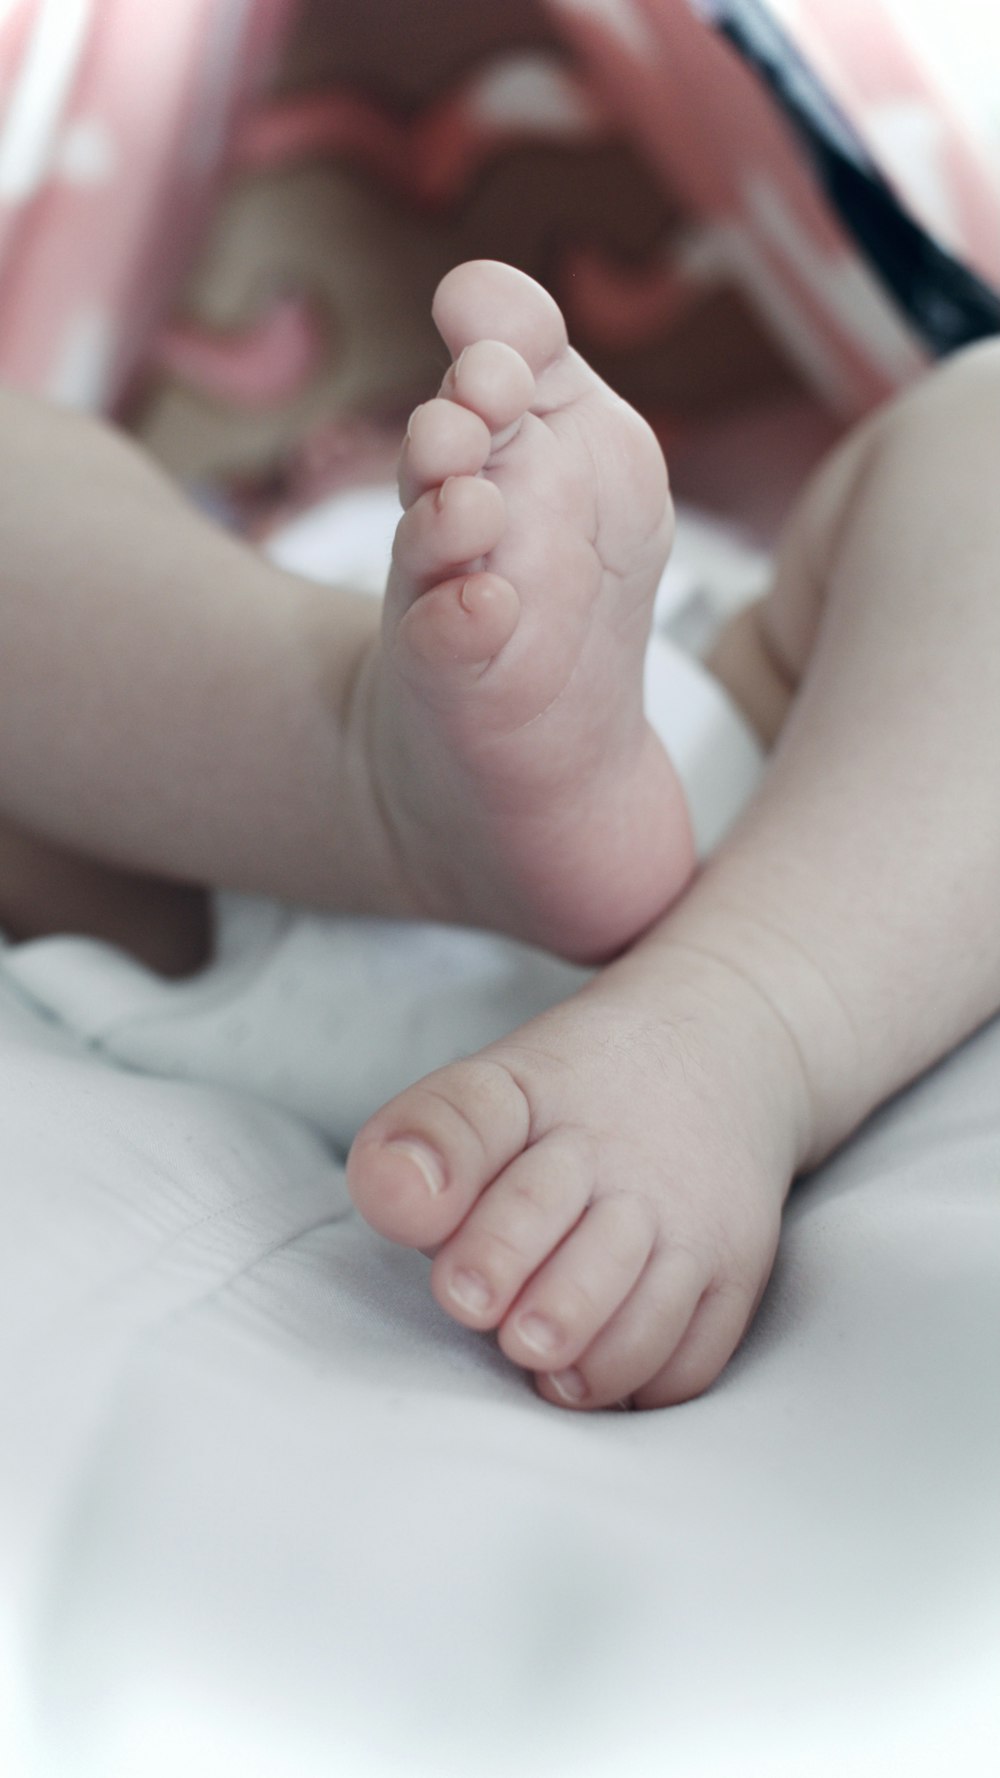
223, 221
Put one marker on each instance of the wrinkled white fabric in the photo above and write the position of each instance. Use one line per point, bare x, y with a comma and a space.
264, 1509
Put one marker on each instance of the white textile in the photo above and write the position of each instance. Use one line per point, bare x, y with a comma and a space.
265, 1512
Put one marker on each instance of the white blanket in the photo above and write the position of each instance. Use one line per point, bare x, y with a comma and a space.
265, 1511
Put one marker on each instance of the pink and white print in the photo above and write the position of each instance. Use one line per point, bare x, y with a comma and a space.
116, 117
880, 70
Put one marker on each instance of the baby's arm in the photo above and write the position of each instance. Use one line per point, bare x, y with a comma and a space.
862, 889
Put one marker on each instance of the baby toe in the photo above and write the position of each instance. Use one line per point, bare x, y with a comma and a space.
485, 300
452, 525
716, 1328
418, 1166
464, 622
634, 1342
494, 382
512, 1230
572, 1298
442, 439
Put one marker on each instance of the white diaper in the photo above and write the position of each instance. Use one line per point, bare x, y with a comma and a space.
328, 1017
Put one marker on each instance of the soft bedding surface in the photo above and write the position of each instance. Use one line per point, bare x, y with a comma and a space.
265, 1511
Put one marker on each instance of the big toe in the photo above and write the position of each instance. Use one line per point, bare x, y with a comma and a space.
485, 300
418, 1166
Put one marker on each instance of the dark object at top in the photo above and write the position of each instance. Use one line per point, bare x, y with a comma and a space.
946, 303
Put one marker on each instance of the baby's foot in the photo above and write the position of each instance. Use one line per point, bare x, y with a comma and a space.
521, 786
604, 1187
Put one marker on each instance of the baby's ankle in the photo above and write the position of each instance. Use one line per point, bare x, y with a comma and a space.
705, 982
799, 1043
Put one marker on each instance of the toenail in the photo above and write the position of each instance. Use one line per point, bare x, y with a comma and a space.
441, 495
471, 1291
537, 1334
424, 1159
569, 1384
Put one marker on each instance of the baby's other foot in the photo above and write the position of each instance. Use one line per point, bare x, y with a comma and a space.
603, 1188
519, 782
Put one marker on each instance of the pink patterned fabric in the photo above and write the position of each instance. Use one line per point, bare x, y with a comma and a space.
115, 119
431, 158
910, 125
758, 218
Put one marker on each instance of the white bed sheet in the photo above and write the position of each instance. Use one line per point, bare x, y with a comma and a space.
264, 1510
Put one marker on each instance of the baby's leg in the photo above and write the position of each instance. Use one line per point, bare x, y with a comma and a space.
605, 1187
173, 705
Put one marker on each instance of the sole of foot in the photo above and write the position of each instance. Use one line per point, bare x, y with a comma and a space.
521, 785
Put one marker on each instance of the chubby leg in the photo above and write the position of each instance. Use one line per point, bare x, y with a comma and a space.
604, 1188
173, 706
